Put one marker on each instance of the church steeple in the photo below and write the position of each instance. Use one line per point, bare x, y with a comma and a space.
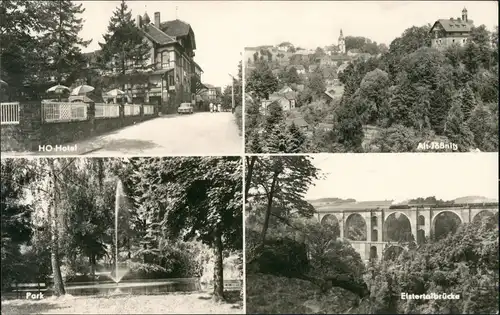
341, 42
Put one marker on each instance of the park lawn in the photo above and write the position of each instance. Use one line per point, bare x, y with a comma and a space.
172, 303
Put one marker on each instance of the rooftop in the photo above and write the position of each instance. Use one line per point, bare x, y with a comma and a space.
454, 25
175, 28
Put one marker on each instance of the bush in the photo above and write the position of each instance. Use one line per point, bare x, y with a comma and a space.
238, 117
145, 271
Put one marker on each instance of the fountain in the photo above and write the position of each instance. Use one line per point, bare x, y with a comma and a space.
118, 287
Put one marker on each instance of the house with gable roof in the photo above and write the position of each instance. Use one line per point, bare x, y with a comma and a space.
173, 76
452, 31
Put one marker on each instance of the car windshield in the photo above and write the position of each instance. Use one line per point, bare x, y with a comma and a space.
185, 105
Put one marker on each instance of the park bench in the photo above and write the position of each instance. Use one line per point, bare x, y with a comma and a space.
229, 285
21, 288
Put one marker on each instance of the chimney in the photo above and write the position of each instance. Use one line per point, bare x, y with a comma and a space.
157, 19
138, 21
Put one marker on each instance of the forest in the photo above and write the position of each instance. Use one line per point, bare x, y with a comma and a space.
177, 216
410, 94
296, 265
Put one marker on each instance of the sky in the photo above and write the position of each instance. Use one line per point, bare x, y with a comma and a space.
395, 176
216, 25
314, 24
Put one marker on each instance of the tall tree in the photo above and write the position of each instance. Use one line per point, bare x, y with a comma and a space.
316, 84
61, 41
21, 23
194, 198
54, 216
124, 47
468, 101
16, 217
455, 127
262, 81
280, 183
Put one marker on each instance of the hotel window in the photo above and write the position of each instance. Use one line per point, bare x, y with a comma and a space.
165, 60
172, 59
158, 60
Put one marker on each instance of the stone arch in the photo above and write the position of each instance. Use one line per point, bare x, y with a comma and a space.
374, 221
331, 219
397, 227
448, 223
391, 252
482, 214
373, 253
355, 227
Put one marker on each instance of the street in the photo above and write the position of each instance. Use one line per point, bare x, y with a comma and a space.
196, 134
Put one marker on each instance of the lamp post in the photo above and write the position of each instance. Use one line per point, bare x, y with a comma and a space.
232, 93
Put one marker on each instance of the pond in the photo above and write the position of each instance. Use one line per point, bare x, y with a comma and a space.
138, 287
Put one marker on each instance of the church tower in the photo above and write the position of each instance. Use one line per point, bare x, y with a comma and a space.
464, 15
341, 42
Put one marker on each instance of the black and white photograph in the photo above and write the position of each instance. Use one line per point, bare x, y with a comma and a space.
105, 78
371, 76
143, 235
372, 234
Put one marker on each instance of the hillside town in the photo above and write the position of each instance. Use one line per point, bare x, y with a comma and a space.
314, 89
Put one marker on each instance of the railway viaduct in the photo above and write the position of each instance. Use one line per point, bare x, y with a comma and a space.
422, 218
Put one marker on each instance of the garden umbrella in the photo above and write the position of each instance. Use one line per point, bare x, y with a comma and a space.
115, 92
58, 89
82, 89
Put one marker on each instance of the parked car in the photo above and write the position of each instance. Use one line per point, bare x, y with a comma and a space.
185, 108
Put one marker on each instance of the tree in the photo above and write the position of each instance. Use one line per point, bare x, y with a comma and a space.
481, 37
280, 183
316, 84
397, 138
468, 101
200, 198
15, 216
348, 128
124, 47
262, 81
373, 92
484, 128
20, 25
456, 129
297, 139
61, 42
290, 76
277, 138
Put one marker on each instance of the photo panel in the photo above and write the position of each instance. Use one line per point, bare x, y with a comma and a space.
377, 76
140, 235
124, 78
372, 234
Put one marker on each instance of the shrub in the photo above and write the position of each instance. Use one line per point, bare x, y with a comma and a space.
238, 117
